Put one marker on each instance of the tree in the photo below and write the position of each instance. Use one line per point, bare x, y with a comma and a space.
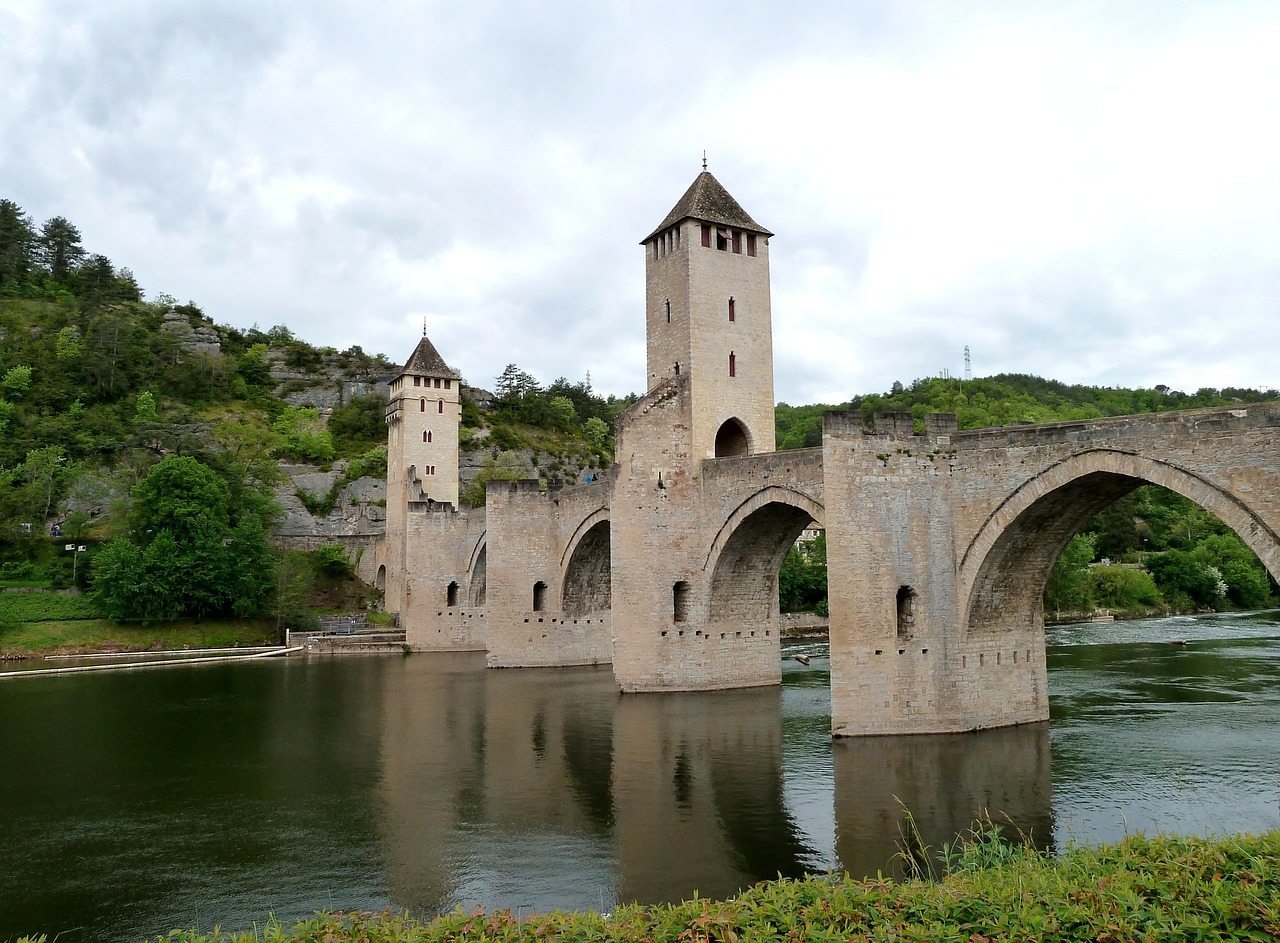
17, 240
562, 411
59, 247
183, 497
67, 347
17, 380
145, 410
1244, 575
514, 383
186, 557
303, 435
45, 470
1068, 586
597, 431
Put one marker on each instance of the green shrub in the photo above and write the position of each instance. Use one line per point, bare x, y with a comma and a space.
332, 560
1140, 889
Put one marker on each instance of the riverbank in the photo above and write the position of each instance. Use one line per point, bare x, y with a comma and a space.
32, 640
1165, 888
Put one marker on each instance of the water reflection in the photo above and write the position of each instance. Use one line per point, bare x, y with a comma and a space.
946, 784
135, 802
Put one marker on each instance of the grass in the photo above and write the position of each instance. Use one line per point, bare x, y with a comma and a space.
103, 635
1159, 889
40, 606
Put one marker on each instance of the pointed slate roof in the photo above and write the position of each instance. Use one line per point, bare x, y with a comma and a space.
426, 361
707, 200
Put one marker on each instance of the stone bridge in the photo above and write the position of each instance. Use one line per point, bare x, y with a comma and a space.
938, 544
939, 547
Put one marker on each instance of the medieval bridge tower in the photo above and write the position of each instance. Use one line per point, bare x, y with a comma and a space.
709, 319
939, 541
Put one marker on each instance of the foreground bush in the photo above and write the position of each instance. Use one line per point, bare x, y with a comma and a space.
1141, 889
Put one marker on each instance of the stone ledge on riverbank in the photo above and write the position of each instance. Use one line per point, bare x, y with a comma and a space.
1163, 888
804, 625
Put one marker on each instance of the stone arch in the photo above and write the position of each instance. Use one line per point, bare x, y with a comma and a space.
749, 549
477, 574
588, 576
1004, 569
732, 438
380, 581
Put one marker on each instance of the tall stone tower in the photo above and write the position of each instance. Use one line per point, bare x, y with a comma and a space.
707, 297
424, 410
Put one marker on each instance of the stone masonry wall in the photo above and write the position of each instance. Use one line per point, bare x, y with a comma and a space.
971, 523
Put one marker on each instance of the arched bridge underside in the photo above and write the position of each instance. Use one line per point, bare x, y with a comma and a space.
967, 527
696, 561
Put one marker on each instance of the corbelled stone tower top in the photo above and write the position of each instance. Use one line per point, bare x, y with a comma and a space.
708, 317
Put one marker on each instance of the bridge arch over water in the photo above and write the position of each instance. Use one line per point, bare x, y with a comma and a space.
1004, 569
972, 522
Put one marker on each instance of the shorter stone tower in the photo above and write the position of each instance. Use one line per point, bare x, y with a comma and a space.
424, 410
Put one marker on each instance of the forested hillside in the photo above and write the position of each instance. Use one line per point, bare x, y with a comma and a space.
129, 420
156, 437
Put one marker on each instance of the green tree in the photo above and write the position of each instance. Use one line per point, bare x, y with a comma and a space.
1068, 586
562, 411
17, 380
67, 347
802, 581
45, 469
1184, 581
59, 246
304, 438
358, 425
182, 496
145, 410
1244, 575
597, 431
17, 241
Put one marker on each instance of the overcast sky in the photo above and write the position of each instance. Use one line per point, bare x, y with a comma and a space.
1087, 191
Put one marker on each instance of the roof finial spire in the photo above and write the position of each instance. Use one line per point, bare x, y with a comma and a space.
424, 326
704, 158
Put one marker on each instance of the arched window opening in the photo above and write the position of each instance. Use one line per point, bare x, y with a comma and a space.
424, 437
906, 612
733, 364
539, 596
680, 601
668, 306
380, 581
422, 405
440, 406
733, 310
428, 435
451, 594
731, 439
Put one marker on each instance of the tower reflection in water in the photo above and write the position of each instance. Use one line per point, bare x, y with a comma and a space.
535, 790
903, 795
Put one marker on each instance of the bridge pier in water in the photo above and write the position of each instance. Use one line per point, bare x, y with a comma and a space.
939, 546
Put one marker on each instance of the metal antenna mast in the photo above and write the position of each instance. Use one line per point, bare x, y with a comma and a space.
968, 365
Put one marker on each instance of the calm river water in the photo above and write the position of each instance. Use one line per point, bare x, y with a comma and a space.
135, 802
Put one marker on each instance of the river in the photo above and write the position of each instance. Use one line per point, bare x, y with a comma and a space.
134, 802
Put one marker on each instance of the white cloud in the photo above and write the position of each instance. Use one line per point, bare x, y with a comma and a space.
1078, 190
